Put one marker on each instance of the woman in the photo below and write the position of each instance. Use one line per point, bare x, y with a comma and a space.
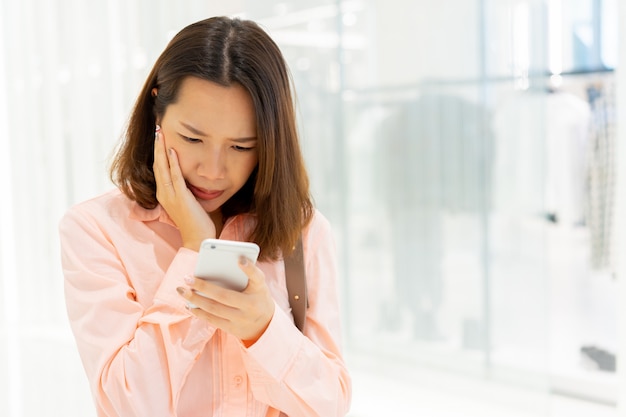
224, 162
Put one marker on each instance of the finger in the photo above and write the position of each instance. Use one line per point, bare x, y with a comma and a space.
175, 174
204, 302
214, 292
199, 312
219, 322
218, 314
161, 164
256, 278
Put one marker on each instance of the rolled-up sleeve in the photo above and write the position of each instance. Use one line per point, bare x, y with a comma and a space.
307, 375
136, 357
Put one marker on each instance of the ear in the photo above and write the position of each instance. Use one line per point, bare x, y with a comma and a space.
154, 93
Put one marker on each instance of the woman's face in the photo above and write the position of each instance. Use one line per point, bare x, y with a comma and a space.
213, 131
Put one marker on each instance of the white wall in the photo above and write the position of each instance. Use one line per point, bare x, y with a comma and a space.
421, 39
620, 208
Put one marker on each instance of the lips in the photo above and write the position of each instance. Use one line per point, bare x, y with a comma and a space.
203, 194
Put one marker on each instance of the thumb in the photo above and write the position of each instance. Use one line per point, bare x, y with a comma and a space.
255, 275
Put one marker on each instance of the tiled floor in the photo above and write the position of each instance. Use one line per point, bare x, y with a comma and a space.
375, 395
542, 317
378, 391
580, 308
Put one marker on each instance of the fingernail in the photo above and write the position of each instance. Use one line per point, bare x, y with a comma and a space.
158, 128
181, 290
243, 261
156, 132
189, 279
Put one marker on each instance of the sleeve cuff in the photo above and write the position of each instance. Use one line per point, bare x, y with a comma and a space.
170, 307
272, 355
182, 265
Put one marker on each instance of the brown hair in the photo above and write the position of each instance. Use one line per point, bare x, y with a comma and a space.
226, 51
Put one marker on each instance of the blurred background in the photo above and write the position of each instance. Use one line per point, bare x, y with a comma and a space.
465, 151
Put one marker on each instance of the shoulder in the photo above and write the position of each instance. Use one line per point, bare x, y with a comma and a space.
112, 201
104, 208
318, 230
318, 221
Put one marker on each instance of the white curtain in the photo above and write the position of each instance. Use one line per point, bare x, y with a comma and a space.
69, 73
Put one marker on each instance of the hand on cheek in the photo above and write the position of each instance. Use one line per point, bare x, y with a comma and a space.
172, 193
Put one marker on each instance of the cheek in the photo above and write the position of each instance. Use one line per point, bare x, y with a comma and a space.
185, 161
241, 170
250, 166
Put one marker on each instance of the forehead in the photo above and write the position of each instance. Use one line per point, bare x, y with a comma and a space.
210, 107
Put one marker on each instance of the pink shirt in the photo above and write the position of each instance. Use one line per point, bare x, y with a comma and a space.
145, 354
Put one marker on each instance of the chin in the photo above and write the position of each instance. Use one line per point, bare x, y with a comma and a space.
211, 206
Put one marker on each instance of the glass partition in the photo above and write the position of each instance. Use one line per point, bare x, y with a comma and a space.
447, 145
462, 150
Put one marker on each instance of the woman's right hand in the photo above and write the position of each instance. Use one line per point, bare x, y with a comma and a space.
181, 205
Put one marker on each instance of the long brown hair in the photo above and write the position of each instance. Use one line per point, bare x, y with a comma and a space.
226, 51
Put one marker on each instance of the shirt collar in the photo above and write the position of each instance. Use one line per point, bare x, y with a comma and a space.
148, 215
159, 214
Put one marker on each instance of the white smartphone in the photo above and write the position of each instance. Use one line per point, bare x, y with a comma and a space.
218, 262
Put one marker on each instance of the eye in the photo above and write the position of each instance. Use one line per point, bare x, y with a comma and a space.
190, 140
240, 148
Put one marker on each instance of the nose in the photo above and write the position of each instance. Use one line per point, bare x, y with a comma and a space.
212, 163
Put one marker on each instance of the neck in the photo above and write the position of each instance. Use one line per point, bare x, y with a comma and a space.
218, 221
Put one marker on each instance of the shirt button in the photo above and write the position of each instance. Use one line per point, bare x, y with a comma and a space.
238, 380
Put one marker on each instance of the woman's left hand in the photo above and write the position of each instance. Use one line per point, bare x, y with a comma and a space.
244, 314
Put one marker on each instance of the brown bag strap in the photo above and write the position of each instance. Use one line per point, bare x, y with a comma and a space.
295, 277
296, 285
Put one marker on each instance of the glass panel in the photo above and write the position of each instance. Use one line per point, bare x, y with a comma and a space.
443, 248
433, 132
308, 37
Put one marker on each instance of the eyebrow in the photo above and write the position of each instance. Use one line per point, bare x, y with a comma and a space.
193, 129
200, 133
